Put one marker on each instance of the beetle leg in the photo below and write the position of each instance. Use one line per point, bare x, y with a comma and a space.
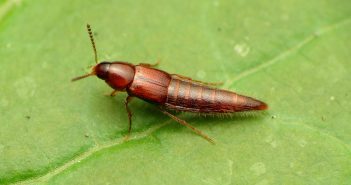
196, 81
113, 93
128, 99
150, 65
182, 122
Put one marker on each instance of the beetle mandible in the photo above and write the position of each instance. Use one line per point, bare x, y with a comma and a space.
168, 91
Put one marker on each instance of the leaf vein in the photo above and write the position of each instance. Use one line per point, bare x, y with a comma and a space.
50, 174
326, 134
6, 8
288, 52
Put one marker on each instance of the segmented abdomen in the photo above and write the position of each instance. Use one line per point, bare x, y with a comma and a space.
185, 95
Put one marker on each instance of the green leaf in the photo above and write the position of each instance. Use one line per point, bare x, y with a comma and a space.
294, 55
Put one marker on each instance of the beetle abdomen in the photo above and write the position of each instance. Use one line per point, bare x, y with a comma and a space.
190, 96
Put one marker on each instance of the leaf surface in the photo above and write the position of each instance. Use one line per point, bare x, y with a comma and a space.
294, 55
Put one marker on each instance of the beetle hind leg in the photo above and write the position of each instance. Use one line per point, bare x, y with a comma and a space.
182, 122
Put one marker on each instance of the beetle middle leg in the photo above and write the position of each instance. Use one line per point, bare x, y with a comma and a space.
182, 122
196, 81
128, 99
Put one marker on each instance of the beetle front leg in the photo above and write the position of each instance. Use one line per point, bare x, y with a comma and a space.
113, 93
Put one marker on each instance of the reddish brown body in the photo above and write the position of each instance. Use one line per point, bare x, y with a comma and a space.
193, 97
169, 91
173, 91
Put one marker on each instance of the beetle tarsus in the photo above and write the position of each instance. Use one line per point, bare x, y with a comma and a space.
126, 138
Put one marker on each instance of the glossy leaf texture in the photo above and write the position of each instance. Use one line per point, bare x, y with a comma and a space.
294, 55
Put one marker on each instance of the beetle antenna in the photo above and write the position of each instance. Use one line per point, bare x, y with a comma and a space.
92, 42
83, 76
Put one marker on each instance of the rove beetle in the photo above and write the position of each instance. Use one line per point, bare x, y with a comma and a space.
168, 91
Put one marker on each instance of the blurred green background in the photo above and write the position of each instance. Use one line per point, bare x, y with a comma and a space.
292, 54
